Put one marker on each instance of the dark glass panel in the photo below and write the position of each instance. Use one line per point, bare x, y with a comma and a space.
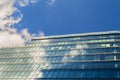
45, 74
66, 74
50, 75
61, 74
56, 73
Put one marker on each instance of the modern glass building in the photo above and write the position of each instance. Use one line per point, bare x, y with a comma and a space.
88, 56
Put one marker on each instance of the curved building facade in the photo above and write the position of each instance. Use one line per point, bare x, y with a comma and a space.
88, 56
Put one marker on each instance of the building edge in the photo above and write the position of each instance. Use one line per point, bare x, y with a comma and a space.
75, 35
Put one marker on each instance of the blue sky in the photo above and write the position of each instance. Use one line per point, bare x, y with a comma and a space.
21, 20
71, 16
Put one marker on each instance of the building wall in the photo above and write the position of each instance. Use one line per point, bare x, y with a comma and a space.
75, 57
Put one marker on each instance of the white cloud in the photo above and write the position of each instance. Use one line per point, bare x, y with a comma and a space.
10, 39
23, 3
41, 34
50, 2
9, 36
79, 49
6, 8
26, 35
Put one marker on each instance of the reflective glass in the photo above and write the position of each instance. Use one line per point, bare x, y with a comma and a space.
80, 57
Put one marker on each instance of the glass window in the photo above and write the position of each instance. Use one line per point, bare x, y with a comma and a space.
72, 73
66, 74
61, 72
118, 56
45, 74
50, 75
89, 65
88, 73
94, 73
56, 73
109, 57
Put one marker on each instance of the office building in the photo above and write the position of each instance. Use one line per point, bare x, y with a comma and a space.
86, 56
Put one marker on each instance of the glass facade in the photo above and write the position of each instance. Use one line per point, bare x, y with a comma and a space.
89, 56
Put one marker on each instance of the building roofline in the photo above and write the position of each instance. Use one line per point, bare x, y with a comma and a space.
74, 35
